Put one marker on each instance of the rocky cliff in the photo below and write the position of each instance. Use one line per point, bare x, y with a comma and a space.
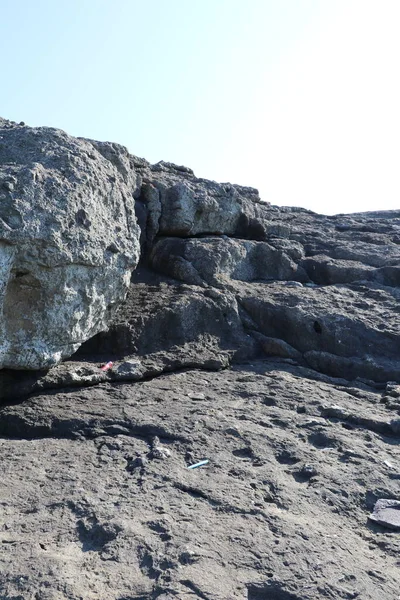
261, 341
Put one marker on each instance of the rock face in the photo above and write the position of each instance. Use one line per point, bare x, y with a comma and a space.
263, 340
322, 289
68, 242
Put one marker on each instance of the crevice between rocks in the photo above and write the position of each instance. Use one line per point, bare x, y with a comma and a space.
385, 428
16, 427
13, 392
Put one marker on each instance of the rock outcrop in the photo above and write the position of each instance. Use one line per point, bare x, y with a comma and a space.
68, 242
323, 290
262, 343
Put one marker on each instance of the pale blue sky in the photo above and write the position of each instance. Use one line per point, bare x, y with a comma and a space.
299, 98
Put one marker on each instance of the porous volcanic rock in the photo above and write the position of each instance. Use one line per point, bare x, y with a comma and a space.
68, 242
261, 342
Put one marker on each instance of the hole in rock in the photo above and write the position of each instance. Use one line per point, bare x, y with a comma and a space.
321, 440
287, 458
347, 426
94, 536
269, 401
82, 219
243, 452
19, 274
317, 327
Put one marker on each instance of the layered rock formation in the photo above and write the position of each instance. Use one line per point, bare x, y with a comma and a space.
321, 290
263, 340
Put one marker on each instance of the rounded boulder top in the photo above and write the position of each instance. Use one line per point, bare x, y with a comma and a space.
68, 241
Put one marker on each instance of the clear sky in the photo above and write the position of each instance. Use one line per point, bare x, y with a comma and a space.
299, 98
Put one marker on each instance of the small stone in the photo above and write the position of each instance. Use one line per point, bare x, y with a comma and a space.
387, 513
160, 453
155, 442
393, 389
293, 284
308, 471
335, 411
8, 185
196, 396
128, 369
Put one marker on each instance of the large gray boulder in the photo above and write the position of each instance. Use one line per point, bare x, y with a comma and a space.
68, 241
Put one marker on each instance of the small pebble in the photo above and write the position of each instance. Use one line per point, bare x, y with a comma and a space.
160, 453
196, 396
293, 284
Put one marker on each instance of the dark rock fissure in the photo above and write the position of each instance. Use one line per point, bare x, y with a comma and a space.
270, 592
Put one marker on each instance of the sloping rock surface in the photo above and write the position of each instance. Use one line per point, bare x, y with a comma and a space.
97, 500
263, 340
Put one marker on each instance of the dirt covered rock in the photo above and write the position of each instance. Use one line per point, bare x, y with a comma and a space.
98, 501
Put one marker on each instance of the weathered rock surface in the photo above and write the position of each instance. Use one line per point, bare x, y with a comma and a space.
216, 260
265, 340
179, 204
387, 513
281, 510
68, 242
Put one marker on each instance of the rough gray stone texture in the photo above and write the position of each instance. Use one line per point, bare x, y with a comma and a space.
281, 510
216, 260
180, 204
265, 340
68, 242
166, 318
329, 287
346, 331
387, 513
